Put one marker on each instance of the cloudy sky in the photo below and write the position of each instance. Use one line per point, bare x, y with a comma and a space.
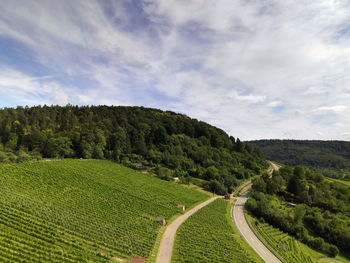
255, 68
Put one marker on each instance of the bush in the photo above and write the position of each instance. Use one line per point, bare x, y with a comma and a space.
333, 251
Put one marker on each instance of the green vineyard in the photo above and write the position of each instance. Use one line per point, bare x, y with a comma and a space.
207, 236
83, 211
287, 247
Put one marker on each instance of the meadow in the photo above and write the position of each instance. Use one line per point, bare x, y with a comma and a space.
209, 236
83, 211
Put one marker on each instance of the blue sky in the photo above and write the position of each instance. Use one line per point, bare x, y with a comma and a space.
257, 69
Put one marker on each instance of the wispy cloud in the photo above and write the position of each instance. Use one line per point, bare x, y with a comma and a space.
232, 63
26, 90
335, 108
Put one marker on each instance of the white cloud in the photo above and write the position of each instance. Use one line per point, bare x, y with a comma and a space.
275, 103
335, 108
227, 62
28, 90
346, 134
250, 98
316, 90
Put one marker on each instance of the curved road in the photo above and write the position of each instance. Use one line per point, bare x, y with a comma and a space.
246, 232
166, 245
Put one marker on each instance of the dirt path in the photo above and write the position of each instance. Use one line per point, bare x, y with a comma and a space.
166, 245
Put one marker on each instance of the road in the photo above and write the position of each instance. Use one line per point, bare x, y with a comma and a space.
246, 232
166, 245
274, 166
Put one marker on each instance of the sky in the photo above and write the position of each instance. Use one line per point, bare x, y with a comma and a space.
258, 69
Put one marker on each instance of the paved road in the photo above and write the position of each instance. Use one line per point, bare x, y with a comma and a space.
246, 232
274, 166
166, 246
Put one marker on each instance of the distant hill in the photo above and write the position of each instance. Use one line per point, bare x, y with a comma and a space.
332, 155
171, 144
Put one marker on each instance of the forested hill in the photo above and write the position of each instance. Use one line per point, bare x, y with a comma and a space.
171, 144
335, 154
331, 158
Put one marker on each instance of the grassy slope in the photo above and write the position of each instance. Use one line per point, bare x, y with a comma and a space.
296, 252
83, 210
209, 236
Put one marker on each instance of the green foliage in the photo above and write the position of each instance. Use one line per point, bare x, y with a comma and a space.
207, 236
128, 135
287, 247
321, 217
216, 187
330, 158
82, 211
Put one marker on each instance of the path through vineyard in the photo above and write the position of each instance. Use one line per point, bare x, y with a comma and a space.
166, 246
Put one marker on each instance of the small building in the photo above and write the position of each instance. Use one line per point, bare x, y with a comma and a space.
182, 207
139, 166
138, 260
227, 196
176, 179
284, 247
161, 219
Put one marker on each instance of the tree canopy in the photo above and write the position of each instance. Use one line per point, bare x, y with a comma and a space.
321, 217
129, 135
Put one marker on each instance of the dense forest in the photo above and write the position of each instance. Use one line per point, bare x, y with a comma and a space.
306, 205
331, 158
170, 144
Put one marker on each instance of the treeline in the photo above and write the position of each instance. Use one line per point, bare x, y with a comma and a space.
321, 217
171, 144
331, 158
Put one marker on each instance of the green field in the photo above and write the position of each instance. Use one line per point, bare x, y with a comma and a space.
83, 211
290, 249
339, 181
209, 236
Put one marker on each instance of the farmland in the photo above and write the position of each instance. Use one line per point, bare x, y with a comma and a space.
82, 211
282, 243
209, 236
290, 249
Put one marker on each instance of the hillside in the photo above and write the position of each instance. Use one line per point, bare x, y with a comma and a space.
307, 206
171, 144
329, 157
83, 211
209, 236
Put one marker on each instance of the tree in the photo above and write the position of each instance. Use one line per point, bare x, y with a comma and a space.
299, 213
216, 187
58, 147
3, 157
299, 172
333, 251
239, 145
259, 185
212, 173
12, 141
297, 184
